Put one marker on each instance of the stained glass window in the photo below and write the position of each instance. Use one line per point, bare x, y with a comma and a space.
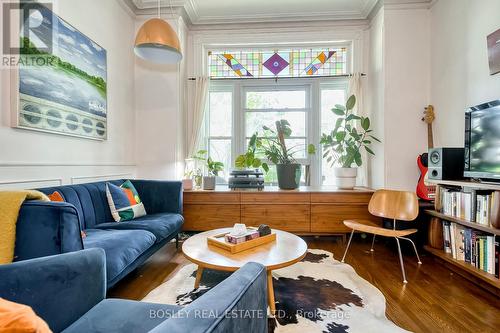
278, 63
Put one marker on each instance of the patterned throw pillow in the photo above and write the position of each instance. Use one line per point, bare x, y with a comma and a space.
56, 197
124, 202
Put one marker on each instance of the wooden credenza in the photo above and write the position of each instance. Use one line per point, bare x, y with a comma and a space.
307, 211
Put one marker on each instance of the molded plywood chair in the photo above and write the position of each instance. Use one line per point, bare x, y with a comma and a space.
395, 205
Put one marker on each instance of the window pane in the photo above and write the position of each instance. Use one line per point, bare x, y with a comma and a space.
220, 113
298, 146
287, 99
329, 97
255, 121
220, 150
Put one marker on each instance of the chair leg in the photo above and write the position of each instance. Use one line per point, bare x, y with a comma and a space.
401, 261
348, 244
414, 247
373, 243
177, 241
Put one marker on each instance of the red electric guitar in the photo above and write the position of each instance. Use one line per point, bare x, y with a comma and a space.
424, 190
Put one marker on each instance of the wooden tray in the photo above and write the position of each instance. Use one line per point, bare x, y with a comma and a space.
220, 242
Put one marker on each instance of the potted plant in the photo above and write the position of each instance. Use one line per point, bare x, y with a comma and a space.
187, 181
198, 178
275, 149
249, 159
343, 145
213, 167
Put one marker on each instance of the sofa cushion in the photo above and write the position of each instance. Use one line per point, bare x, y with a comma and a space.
124, 202
89, 200
161, 225
122, 247
122, 316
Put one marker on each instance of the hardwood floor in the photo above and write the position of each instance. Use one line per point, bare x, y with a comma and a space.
434, 300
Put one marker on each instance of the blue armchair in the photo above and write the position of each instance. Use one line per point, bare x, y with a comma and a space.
68, 292
49, 228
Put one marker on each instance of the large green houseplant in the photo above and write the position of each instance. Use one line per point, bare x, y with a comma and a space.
342, 147
274, 147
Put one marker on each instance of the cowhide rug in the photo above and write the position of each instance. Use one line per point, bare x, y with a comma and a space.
318, 294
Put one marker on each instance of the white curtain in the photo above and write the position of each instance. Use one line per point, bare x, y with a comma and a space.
355, 88
200, 93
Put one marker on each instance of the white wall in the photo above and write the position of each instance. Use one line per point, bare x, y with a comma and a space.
38, 159
375, 98
159, 116
398, 92
406, 93
459, 69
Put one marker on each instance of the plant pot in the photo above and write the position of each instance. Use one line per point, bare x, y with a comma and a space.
288, 176
198, 181
345, 178
187, 184
208, 182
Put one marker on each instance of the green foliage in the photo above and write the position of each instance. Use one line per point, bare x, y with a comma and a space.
28, 48
350, 135
214, 167
274, 146
249, 160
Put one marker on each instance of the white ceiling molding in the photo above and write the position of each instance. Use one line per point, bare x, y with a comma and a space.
217, 12
407, 4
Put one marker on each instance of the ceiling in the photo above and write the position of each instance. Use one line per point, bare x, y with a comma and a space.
245, 11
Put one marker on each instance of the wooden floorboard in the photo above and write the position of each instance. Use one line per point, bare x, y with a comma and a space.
434, 300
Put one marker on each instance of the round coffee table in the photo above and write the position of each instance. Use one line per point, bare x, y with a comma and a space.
285, 251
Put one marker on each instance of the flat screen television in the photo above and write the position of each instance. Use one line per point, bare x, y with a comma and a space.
482, 141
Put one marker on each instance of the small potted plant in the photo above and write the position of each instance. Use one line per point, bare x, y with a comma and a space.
342, 146
187, 181
213, 167
198, 178
275, 149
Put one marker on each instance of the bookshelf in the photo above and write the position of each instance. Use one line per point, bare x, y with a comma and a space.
465, 269
467, 184
468, 268
468, 224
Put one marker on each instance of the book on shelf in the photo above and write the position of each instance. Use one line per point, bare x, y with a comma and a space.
472, 246
478, 206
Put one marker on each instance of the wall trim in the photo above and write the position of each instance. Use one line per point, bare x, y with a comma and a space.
114, 175
24, 181
52, 164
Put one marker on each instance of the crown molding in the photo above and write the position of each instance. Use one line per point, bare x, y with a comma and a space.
406, 4
190, 12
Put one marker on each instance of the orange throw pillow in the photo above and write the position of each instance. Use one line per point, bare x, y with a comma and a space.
56, 196
19, 318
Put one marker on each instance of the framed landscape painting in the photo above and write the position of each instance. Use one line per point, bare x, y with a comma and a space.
65, 93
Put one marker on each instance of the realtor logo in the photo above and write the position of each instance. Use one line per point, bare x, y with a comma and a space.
27, 28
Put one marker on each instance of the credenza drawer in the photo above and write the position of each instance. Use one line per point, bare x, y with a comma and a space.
211, 197
275, 198
341, 198
290, 217
207, 217
329, 218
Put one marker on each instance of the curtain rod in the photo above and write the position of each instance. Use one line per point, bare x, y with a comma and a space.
275, 78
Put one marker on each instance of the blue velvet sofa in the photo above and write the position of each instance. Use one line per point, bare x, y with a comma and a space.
49, 228
68, 292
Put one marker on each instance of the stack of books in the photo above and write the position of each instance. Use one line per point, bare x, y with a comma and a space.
475, 247
481, 207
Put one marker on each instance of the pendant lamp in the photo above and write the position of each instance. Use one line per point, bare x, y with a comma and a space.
157, 42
